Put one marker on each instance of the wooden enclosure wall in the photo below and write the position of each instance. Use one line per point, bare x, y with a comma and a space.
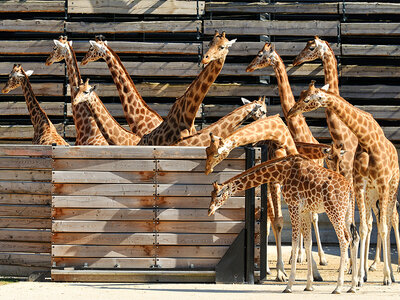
25, 197
121, 208
161, 44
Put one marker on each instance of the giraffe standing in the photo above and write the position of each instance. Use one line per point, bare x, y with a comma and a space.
297, 126
114, 133
227, 124
306, 187
44, 131
381, 171
179, 122
140, 117
87, 131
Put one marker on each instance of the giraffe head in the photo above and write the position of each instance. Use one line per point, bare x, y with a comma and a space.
15, 79
60, 49
217, 48
84, 92
333, 156
258, 110
218, 150
97, 50
267, 56
314, 49
310, 99
219, 195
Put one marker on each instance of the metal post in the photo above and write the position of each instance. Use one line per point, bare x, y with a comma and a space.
250, 219
263, 221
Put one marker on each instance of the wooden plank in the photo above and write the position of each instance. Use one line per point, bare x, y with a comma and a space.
222, 239
370, 50
28, 260
360, 8
103, 238
185, 263
25, 247
194, 178
277, 8
32, 211
25, 223
199, 165
133, 27
40, 89
104, 189
25, 187
186, 190
25, 199
103, 177
200, 227
199, 215
38, 68
20, 108
20, 271
108, 165
382, 28
25, 163
25, 235
192, 251
88, 214
32, 6
25, 150
102, 251
102, 226
139, 202
148, 7
26, 175
289, 28
51, 26
102, 263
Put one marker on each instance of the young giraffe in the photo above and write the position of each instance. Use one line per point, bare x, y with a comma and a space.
341, 135
227, 124
297, 126
114, 133
140, 117
87, 131
44, 131
179, 122
381, 172
306, 188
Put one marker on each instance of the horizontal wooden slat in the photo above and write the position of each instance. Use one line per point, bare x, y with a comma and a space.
25, 223
40, 89
25, 163
20, 108
148, 7
186, 189
102, 226
200, 227
51, 26
189, 263
25, 235
108, 165
25, 150
32, 6
369, 8
103, 214
26, 175
381, 28
104, 189
192, 251
199, 215
102, 251
291, 28
38, 68
102, 263
370, 50
34, 247
25, 199
23, 132
34, 260
133, 27
21, 271
25, 187
31, 211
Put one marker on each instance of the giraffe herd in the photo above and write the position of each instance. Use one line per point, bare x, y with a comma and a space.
362, 164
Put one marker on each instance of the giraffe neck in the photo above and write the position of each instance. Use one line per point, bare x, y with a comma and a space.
330, 70
113, 132
297, 125
39, 118
270, 128
135, 108
361, 123
275, 170
74, 75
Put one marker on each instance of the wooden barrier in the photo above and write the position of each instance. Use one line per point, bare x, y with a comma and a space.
25, 196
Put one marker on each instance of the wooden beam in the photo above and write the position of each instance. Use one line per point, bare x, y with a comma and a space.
383, 28
38, 68
368, 8
25, 223
30, 211
148, 7
26, 150
28, 260
51, 26
20, 108
32, 6
370, 50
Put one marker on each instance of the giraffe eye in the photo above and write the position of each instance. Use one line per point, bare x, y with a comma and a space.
260, 55
306, 100
222, 47
312, 48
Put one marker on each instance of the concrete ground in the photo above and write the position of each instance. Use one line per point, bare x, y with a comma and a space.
269, 290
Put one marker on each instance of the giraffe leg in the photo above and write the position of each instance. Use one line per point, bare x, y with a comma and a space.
306, 231
395, 224
295, 220
378, 246
359, 190
367, 243
268, 230
321, 254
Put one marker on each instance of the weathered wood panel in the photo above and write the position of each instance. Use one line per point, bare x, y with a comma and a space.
25, 235
389, 29
26, 175
31, 211
102, 263
11, 6
51, 26
30, 199
147, 7
24, 163
25, 150
25, 247
102, 251
102, 226
28, 260
39, 68
25, 223
200, 227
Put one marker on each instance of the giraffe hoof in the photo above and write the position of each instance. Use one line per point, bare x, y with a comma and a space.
281, 277
336, 291
352, 290
318, 278
372, 267
287, 291
365, 278
360, 283
323, 262
308, 289
392, 278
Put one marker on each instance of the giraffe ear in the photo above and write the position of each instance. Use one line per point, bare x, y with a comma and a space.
245, 101
58, 43
325, 87
70, 43
231, 42
215, 186
29, 73
318, 42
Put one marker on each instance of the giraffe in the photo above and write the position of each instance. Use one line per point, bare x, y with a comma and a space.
87, 131
44, 131
179, 122
380, 172
298, 127
114, 133
306, 187
227, 124
140, 117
